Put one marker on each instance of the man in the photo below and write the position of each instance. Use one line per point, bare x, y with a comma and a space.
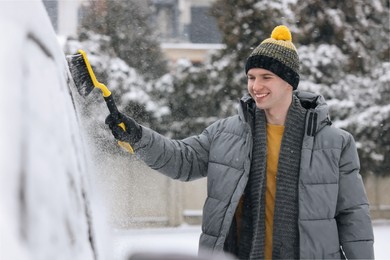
282, 182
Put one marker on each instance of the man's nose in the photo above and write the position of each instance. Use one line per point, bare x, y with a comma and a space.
257, 85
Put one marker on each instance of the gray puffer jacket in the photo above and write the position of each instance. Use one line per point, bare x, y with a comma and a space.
333, 207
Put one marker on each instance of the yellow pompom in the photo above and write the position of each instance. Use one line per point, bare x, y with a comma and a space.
281, 32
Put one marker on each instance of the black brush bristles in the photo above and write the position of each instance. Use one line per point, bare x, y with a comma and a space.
80, 74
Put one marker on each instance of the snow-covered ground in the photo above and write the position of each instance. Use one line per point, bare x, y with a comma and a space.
382, 236
184, 240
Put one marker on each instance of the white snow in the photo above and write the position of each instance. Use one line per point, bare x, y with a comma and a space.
185, 239
381, 236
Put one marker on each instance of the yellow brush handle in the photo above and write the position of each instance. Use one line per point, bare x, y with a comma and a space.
125, 145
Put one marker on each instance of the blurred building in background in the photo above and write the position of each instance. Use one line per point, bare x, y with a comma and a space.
185, 21
186, 28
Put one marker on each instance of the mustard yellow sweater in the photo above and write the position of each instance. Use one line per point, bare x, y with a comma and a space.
274, 139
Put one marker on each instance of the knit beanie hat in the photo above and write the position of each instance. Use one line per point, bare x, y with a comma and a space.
278, 55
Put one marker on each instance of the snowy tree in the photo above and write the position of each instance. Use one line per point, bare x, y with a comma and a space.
357, 27
127, 24
368, 118
191, 100
344, 50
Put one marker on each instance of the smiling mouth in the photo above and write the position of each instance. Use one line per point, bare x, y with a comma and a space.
261, 95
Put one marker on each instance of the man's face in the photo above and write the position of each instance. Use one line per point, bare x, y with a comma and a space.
268, 90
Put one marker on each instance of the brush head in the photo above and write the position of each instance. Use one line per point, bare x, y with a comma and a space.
79, 70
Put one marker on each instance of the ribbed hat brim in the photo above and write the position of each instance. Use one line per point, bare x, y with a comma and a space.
275, 66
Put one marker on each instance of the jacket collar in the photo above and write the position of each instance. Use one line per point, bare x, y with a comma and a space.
317, 111
246, 108
317, 115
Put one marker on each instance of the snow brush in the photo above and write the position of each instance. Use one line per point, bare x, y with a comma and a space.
85, 81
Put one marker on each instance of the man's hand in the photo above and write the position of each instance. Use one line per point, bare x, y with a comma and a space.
133, 131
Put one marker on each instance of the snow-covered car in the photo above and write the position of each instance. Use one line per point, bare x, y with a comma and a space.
48, 210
